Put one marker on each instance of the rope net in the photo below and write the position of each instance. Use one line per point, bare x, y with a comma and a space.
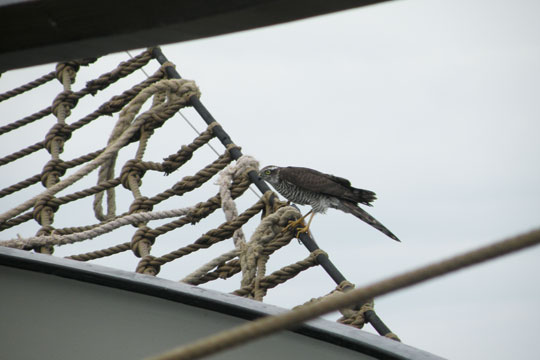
89, 201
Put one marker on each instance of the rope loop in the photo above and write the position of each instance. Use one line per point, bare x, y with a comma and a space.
314, 254
59, 133
234, 146
345, 286
142, 241
166, 64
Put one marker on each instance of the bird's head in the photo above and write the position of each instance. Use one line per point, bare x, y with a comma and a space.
270, 174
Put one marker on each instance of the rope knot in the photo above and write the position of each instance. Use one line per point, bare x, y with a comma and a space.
59, 133
68, 68
46, 230
355, 317
184, 89
142, 241
45, 206
145, 266
133, 169
52, 171
67, 99
352, 318
141, 204
345, 286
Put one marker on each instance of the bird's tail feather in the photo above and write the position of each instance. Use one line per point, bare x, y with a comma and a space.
354, 209
364, 196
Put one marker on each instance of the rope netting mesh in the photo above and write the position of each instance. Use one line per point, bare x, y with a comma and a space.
108, 180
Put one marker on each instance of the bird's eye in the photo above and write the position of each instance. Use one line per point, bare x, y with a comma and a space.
267, 172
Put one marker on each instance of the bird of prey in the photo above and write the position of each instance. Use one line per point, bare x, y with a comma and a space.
321, 191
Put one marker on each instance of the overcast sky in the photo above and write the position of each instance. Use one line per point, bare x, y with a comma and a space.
432, 104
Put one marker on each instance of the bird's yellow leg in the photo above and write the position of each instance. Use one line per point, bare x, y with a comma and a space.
305, 228
295, 223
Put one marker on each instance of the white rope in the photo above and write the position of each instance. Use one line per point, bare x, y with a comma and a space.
55, 239
244, 164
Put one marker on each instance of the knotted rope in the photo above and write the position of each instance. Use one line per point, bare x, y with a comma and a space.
178, 92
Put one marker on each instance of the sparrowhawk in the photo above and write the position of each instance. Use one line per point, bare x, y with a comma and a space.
321, 191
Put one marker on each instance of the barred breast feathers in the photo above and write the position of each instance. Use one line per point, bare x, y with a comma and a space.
318, 202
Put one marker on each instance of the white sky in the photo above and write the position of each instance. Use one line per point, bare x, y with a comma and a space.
434, 105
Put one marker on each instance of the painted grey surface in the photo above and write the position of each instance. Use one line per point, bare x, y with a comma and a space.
37, 32
61, 309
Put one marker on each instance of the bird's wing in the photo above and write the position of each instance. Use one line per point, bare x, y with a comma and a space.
318, 182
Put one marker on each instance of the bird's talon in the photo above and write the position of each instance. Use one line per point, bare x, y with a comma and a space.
301, 231
292, 225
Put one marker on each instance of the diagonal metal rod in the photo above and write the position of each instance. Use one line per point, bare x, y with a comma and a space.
236, 153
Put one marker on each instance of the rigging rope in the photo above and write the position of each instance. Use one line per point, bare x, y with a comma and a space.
271, 324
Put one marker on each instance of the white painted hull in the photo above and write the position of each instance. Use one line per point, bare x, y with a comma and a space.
54, 308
